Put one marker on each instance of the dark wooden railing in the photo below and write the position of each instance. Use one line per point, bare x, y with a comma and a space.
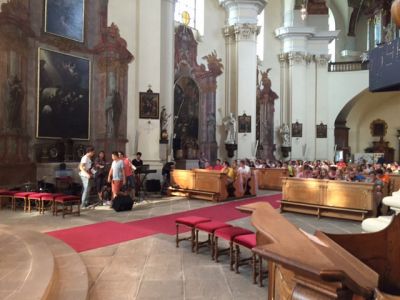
347, 66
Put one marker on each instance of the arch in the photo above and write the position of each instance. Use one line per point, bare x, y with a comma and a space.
352, 122
186, 118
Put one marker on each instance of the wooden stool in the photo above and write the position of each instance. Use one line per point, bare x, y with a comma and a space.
228, 234
37, 198
7, 195
45, 198
191, 222
210, 228
22, 196
248, 241
67, 203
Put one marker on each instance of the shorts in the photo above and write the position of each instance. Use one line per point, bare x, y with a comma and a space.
116, 186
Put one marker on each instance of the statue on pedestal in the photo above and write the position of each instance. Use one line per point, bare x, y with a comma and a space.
113, 108
164, 118
230, 127
15, 99
285, 135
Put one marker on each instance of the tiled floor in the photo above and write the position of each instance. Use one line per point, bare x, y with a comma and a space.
152, 267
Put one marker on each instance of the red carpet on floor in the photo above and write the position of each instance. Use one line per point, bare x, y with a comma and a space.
103, 234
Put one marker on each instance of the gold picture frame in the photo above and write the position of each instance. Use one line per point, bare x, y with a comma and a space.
378, 127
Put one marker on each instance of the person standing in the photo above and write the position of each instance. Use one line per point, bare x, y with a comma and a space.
85, 173
99, 178
138, 163
116, 176
128, 170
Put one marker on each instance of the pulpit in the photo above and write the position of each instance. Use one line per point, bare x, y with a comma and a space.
382, 146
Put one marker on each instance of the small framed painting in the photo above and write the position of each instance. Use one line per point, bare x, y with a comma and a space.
149, 105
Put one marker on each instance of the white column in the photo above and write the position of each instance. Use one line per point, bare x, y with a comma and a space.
246, 85
148, 70
167, 66
298, 101
240, 35
323, 148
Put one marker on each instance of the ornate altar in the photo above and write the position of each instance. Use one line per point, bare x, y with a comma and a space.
265, 117
194, 99
25, 102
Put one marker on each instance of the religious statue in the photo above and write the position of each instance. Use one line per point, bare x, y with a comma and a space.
113, 108
285, 135
230, 127
164, 118
15, 99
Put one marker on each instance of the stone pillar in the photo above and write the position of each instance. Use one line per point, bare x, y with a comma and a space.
324, 146
298, 102
241, 34
167, 70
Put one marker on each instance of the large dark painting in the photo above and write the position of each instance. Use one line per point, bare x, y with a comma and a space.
65, 18
63, 96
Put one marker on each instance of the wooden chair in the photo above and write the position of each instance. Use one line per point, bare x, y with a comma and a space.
209, 228
191, 222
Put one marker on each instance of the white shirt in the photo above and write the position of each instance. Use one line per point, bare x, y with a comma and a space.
87, 162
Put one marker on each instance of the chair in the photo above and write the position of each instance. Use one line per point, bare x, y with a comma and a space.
210, 228
228, 234
191, 222
67, 203
248, 241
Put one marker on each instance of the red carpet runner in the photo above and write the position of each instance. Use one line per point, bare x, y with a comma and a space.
102, 234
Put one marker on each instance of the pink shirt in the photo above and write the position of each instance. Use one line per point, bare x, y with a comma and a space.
127, 167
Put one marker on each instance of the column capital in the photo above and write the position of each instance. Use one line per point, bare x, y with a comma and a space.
246, 32
243, 11
242, 32
283, 59
297, 57
322, 59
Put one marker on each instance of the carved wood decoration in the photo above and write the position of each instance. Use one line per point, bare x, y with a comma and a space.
198, 85
16, 36
265, 117
21, 34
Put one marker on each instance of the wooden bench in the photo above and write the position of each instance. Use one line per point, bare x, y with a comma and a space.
271, 178
329, 198
206, 184
394, 184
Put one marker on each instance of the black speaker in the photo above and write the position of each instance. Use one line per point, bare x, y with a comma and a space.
122, 203
153, 185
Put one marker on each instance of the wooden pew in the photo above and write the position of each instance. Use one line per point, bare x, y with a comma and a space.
206, 185
302, 266
394, 184
329, 198
271, 178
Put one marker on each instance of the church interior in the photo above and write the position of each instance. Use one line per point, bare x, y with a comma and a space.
199, 149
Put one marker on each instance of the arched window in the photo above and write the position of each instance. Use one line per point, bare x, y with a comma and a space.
195, 9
